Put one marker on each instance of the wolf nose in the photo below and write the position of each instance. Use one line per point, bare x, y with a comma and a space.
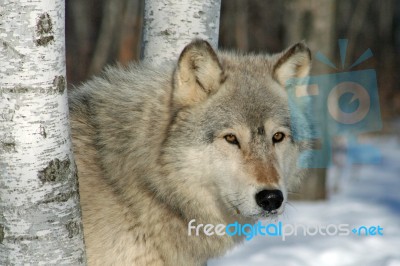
269, 200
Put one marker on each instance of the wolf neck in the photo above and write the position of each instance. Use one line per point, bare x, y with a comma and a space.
153, 216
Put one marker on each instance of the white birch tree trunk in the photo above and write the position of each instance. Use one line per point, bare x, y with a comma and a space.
40, 219
169, 25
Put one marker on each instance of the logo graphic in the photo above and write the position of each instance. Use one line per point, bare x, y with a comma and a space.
342, 104
358, 93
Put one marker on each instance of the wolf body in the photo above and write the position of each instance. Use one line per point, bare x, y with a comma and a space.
207, 138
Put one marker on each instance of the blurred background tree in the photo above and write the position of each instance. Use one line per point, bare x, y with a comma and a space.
101, 32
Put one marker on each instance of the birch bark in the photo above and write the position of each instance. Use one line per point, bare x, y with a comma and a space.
40, 219
169, 25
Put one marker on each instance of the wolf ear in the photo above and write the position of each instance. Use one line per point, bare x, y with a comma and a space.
198, 74
295, 62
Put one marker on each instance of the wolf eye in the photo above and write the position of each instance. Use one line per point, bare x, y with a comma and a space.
230, 138
278, 137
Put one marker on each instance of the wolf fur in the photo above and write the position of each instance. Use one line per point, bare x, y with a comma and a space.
152, 151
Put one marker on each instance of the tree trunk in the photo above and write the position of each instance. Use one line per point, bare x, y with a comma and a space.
40, 218
169, 25
109, 32
313, 21
129, 49
242, 25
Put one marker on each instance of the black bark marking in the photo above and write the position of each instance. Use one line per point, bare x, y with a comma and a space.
43, 131
44, 41
73, 229
59, 82
19, 239
165, 32
1, 233
62, 197
44, 30
7, 146
7, 46
77, 181
56, 170
44, 24
57, 88
16, 90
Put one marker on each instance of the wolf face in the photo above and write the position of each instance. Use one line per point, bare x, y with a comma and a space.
231, 129
208, 138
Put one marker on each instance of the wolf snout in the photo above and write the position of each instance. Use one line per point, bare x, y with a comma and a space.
269, 200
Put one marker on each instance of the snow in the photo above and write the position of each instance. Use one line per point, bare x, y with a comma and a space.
367, 195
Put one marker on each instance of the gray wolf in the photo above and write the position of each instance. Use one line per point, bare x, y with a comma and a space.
207, 137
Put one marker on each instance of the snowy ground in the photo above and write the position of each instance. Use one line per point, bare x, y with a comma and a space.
368, 195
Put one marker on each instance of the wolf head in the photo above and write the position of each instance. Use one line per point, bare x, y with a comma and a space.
230, 144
